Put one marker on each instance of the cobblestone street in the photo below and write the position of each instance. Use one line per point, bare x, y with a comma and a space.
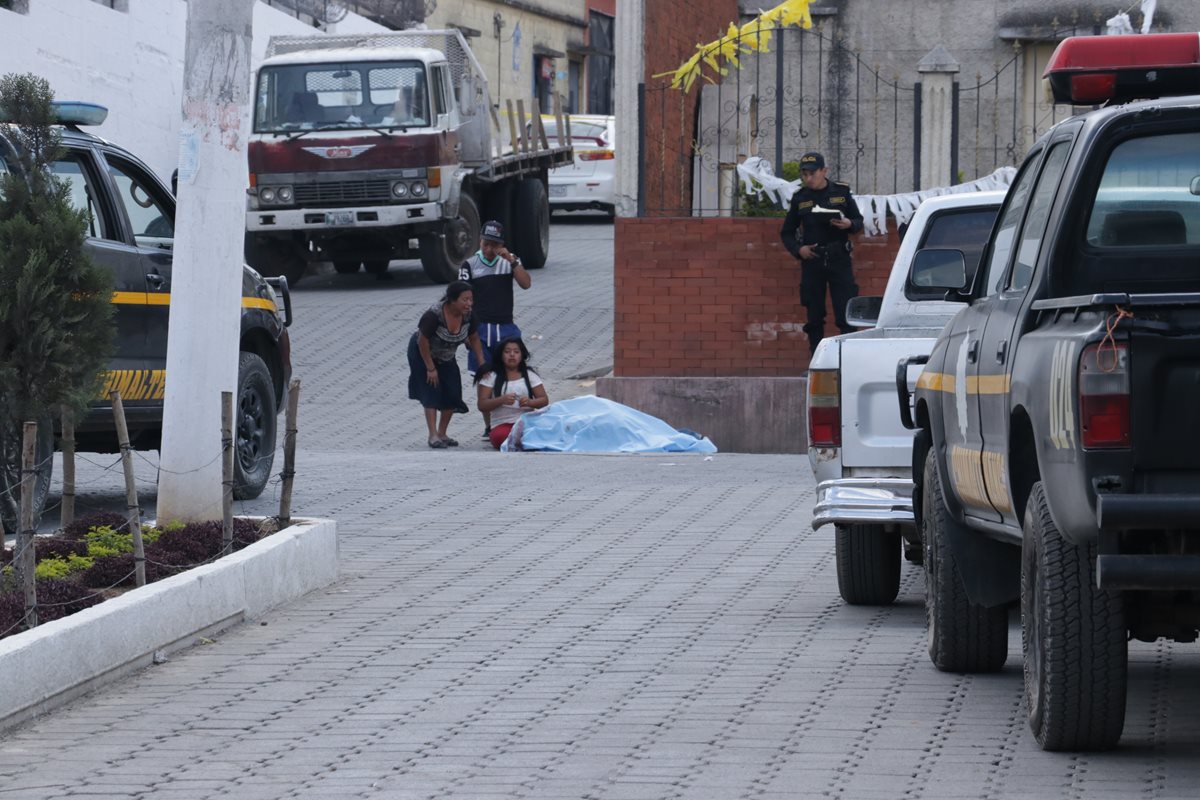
561, 626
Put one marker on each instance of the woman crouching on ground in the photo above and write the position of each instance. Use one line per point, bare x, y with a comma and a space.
509, 388
433, 377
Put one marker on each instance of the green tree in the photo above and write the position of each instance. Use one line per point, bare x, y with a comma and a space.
56, 325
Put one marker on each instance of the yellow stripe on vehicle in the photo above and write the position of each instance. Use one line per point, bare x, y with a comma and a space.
162, 299
976, 384
936, 382
135, 384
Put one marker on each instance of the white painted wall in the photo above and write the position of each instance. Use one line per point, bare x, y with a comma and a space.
130, 61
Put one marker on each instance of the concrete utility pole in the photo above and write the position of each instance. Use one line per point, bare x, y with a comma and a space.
202, 343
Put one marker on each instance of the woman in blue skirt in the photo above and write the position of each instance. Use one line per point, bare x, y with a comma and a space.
433, 377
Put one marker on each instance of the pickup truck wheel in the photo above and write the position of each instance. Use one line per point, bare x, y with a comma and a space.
963, 637
346, 267
1073, 635
10, 474
441, 256
255, 422
868, 564
531, 223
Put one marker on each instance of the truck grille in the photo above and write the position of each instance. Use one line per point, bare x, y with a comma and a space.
343, 191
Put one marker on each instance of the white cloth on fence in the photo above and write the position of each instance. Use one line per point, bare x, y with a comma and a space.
1118, 25
758, 178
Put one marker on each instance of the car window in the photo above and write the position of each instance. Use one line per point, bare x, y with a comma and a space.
150, 214
439, 92
82, 193
1006, 229
1039, 212
1146, 194
590, 130
966, 230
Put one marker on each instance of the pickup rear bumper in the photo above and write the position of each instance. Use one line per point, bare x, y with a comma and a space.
1158, 572
878, 501
344, 219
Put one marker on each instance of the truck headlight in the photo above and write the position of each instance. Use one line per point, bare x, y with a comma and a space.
284, 193
418, 189
266, 194
400, 189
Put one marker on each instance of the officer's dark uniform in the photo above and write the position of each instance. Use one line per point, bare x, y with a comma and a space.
832, 266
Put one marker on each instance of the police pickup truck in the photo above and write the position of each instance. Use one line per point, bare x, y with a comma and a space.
860, 454
1057, 453
131, 219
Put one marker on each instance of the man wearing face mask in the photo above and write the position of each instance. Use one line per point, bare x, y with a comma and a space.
821, 217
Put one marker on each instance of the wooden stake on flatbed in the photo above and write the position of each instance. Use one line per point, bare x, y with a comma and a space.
512, 128
521, 125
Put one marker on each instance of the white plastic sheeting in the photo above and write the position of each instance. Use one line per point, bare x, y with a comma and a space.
758, 178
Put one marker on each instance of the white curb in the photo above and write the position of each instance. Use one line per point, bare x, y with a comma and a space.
61, 660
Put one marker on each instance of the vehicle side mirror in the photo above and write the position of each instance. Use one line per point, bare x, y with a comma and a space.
940, 269
863, 312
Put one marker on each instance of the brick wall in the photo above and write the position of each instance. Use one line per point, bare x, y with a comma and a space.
718, 297
673, 29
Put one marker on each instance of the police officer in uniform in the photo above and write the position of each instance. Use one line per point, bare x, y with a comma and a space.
820, 219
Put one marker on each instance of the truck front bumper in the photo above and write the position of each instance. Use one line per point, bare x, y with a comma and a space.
1157, 572
867, 501
341, 219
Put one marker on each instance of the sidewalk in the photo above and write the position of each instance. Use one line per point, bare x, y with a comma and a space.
599, 627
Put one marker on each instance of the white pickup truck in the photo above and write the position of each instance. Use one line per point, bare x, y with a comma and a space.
860, 452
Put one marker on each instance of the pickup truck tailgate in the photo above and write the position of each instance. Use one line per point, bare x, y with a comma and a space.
872, 435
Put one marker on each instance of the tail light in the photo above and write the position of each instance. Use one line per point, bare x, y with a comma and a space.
1104, 395
596, 155
824, 409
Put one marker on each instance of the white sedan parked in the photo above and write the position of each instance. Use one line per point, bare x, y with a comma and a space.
589, 181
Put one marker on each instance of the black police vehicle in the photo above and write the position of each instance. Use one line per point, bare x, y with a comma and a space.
1057, 459
131, 219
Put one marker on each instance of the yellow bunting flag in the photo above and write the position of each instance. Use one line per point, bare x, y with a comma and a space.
753, 37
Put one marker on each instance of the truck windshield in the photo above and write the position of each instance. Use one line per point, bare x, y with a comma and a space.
1149, 194
345, 96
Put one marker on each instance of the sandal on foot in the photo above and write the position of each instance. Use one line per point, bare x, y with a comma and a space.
437, 444
450, 442
487, 433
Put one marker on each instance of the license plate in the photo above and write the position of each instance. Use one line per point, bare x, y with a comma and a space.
559, 190
339, 217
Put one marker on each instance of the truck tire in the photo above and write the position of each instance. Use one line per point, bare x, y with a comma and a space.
10, 474
441, 256
963, 637
344, 267
530, 237
1073, 636
376, 266
272, 258
255, 422
868, 564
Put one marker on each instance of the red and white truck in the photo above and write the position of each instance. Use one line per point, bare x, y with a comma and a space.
370, 148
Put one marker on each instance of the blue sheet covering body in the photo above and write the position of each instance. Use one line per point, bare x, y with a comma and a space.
592, 424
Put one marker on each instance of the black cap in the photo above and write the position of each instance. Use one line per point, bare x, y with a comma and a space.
812, 160
492, 231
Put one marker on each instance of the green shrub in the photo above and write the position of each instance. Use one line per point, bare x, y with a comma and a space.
763, 206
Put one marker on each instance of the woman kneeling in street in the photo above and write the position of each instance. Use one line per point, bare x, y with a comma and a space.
433, 377
509, 388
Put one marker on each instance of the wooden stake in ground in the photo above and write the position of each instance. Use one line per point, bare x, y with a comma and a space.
67, 512
26, 561
227, 473
134, 518
289, 455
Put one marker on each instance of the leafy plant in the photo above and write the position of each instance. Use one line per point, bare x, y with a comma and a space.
762, 205
56, 324
79, 528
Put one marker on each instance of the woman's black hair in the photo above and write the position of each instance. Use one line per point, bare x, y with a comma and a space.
455, 290
496, 365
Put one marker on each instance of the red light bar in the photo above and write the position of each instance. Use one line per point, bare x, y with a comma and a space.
1096, 69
